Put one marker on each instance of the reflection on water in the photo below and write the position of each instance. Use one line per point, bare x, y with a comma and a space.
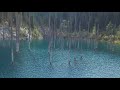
33, 60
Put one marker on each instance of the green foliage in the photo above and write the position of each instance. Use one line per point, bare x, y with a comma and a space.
109, 29
94, 30
117, 42
64, 25
22, 33
36, 34
106, 38
118, 35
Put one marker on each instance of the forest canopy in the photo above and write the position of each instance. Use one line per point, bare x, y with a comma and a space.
100, 25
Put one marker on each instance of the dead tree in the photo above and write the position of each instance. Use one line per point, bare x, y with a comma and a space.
18, 22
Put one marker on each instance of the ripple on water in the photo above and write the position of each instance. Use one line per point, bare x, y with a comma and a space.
35, 64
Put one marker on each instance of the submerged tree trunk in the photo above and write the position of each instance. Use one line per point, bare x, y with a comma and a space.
75, 22
29, 28
11, 33
3, 32
10, 25
17, 30
50, 41
2, 18
29, 39
12, 54
69, 53
88, 39
78, 44
54, 32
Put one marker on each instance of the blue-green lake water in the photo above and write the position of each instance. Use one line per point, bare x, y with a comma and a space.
34, 63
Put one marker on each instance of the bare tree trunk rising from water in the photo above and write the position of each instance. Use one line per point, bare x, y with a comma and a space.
17, 30
10, 19
50, 42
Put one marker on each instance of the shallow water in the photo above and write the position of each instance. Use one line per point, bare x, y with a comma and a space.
34, 63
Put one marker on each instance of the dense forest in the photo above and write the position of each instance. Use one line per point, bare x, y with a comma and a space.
104, 26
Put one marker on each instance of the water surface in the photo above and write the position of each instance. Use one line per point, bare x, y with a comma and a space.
34, 62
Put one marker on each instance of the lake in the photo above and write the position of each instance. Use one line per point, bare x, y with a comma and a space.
34, 62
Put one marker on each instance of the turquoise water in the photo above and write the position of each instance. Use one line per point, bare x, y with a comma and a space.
34, 62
